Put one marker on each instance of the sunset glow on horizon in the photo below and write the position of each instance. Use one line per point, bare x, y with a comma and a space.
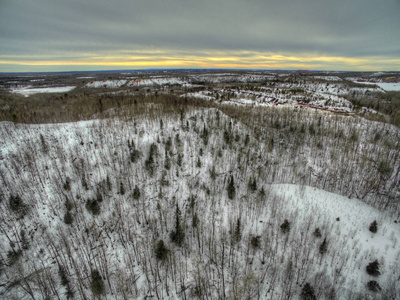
256, 61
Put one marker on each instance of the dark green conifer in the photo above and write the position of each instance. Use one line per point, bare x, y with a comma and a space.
161, 251
178, 234
373, 227
97, 284
121, 188
231, 188
136, 193
285, 226
307, 292
323, 247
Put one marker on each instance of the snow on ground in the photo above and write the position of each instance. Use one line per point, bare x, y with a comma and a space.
317, 95
106, 84
387, 86
228, 77
329, 78
200, 95
99, 147
27, 91
156, 81
350, 233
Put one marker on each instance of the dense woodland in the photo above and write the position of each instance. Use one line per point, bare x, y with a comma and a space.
167, 197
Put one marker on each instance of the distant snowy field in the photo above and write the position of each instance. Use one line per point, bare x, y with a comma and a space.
387, 86
27, 91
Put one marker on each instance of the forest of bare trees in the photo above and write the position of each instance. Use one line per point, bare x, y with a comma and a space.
167, 197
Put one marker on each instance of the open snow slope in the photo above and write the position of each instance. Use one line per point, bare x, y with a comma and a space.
348, 235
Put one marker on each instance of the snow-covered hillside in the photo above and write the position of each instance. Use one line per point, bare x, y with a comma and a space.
227, 77
106, 84
346, 222
312, 95
157, 81
101, 195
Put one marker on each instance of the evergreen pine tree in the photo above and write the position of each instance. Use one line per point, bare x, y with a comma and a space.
168, 144
178, 234
67, 184
69, 205
167, 163
237, 235
285, 226
161, 251
178, 140
205, 135
227, 137
195, 220
17, 205
150, 162
323, 247
121, 188
247, 140
307, 292
252, 185
374, 286
231, 188
182, 115
198, 164
134, 153
63, 275
373, 227
255, 241
136, 193
96, 283
108, 182
68, 219
373, 268
317, 233
93, 206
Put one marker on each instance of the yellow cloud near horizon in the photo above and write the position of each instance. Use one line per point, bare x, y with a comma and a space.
204, 59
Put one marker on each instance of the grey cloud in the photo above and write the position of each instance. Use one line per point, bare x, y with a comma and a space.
342, 28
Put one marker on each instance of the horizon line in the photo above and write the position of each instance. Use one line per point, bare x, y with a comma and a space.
197, 69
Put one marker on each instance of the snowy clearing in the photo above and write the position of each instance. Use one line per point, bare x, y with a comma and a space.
27, 91
156, 81
387, 86
106, 84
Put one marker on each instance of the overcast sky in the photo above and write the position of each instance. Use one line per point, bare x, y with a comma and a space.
56, 35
